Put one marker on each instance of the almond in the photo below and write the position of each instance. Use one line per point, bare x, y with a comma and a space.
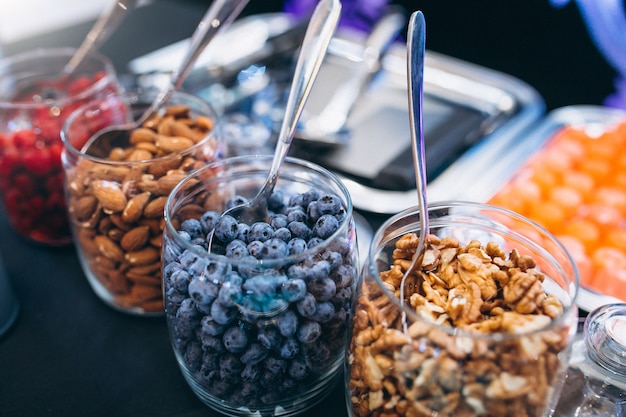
177, 110
173, 143
205, 123
143, 256
161, 167
154, 209
135, 238
140, 155
109, 195
109, 248
134, 208
142, 134
166, 184
83, 207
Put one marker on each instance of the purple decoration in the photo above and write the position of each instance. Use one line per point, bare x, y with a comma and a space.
356, 14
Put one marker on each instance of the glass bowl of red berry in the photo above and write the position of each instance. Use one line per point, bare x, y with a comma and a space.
258, 319
35, 99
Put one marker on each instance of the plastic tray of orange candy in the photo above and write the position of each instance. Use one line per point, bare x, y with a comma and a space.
569, 175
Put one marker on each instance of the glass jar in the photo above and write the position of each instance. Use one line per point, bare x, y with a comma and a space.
483, 327
115, 200
598, 367
35, 100
259, 327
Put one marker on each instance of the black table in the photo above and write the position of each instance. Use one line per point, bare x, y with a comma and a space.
69, 354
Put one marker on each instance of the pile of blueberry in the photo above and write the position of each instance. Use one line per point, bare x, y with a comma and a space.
262, 320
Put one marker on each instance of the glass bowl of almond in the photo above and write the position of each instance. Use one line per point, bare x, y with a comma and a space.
482, 325
116, 200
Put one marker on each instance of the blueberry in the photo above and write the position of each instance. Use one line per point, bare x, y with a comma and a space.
343, 296
309, 332
230, 293
329, 204
287, 323
226, 229
217, 268
211, 343
230, 368
310, 196
296, 214
210, 362
203, 290
289, 348
306, 307
255, 353
283, 234
222, 314
236, 249
193, 355
293, 290
315, 241
296, 246
171, 253
254, 248
275, 365
188, 257
278, 220
269, 337
274, 249
323, 289
296, 200
333, 258
313, 211
179, 280
276, 202
325, 226
242, 232
193, 227
236, 200
248, 267
300, 229
173, 299
251, 372
184, 236
198, 267
260, 286
344, 276
298, 369
260, 231
210, 326
208, 220
324, 312
235, 339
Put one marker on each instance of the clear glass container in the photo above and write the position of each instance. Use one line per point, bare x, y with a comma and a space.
597, 378
115, 201
484, 328
35, 100
260, 330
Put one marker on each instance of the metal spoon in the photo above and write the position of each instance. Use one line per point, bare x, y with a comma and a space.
416, 44
106, 24
319, 32
220, 15
327, 129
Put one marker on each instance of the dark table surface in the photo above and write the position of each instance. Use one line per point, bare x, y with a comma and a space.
69, 354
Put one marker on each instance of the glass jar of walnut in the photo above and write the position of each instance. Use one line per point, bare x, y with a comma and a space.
485, 326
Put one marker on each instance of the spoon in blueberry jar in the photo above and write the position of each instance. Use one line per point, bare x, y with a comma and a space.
318, 35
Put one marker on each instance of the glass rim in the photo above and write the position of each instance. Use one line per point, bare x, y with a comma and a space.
267, 159
377, 243
42, 53
124, 96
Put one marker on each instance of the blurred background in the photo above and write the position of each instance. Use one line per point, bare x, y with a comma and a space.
548, 47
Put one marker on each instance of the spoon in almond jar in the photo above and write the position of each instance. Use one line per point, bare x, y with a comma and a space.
416, 44
319, 33
220, 15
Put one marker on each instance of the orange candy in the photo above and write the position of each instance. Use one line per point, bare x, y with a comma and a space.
576, 188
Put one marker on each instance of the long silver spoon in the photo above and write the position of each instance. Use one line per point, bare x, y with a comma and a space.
416, 45
319, 32
105, 25
220, 15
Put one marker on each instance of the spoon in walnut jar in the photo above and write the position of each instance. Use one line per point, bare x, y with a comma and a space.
416, 44
220, 15
319, 33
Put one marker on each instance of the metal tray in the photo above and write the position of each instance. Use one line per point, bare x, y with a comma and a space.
472, 114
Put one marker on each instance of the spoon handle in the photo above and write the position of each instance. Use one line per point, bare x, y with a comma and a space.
101, 30
220, 15
416, 48
318, 35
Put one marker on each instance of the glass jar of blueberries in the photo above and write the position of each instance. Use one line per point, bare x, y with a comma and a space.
257, 319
